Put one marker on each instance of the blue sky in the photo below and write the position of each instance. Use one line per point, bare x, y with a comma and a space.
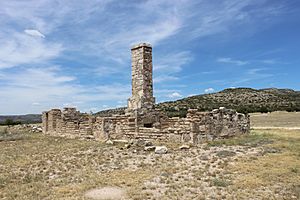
58, 53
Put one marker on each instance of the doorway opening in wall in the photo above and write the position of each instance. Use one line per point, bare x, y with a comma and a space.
148, 125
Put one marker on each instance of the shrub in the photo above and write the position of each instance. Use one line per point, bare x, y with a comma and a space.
9, 122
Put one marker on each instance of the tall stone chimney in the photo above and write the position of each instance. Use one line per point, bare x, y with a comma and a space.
142, 83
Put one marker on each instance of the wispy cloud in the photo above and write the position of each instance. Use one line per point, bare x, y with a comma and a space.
172, 62
20, 48
222, 17
167, 66
34, 33
232, 61
35, 89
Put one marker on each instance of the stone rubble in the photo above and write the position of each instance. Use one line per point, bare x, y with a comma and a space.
161, 150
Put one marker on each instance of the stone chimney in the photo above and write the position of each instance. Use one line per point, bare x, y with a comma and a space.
142, 83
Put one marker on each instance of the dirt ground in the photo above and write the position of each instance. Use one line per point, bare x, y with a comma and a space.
262, 165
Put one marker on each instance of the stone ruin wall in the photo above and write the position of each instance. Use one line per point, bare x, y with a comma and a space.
197, 127
141, 120
69, 122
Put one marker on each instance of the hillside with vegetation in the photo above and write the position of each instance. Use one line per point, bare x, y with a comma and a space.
244, 100
20, 119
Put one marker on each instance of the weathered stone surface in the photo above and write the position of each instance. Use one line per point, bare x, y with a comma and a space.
142, 84
161, 150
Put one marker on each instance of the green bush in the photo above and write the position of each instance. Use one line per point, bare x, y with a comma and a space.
9, 122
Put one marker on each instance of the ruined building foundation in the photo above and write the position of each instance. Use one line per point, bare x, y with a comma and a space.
141, 120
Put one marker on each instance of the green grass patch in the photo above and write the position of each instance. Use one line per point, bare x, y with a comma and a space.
218, 182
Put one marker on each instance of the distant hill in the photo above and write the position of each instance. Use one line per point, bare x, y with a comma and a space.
30, 118
244, 100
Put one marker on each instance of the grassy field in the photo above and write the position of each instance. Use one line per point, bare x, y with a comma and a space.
262, 165
276, 119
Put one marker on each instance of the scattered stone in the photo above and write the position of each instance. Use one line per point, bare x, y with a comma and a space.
184, 147
161, 150
90, 137
140, 143
127, 146
33, 128
109, 142
149, 148
270, 150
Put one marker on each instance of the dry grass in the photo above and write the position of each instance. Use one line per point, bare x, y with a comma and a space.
275, 119
45, 167
275, 170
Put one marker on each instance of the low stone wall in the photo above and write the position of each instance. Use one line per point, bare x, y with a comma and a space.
196, 127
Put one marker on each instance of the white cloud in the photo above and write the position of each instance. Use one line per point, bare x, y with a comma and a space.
209, 90
70, 105
172, 62
273, 62
24, 88
175, 95
256, 71
17, 49
33, 90
34, 33
232, 61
